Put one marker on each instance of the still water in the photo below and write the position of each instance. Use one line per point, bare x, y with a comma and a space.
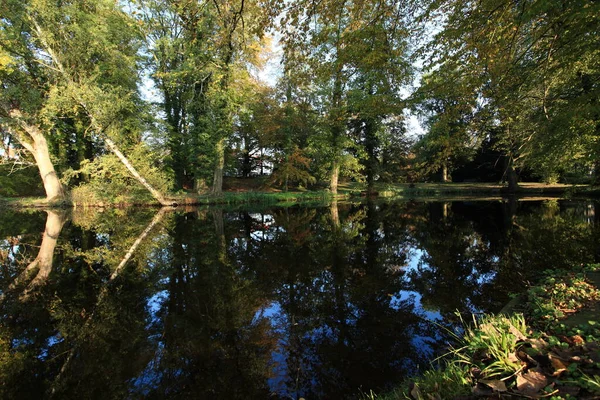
281, 303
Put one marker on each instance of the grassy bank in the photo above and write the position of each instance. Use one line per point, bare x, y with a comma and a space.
243, 193
227, 198
545, 347
406, 190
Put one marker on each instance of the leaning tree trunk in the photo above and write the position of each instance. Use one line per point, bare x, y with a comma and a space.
54, 224
43, 262
155, 193
34, 141
52, 185
100, 130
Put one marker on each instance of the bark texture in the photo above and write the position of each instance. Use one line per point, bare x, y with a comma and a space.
33, 140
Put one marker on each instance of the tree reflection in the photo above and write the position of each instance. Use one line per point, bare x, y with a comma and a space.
284, 303
209, 341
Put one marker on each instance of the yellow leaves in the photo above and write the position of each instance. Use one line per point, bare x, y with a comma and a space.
6, 61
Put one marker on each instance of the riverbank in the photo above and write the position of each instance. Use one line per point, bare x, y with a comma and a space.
241, 192
545, 345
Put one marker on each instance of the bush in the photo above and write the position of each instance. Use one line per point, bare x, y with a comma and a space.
111, 182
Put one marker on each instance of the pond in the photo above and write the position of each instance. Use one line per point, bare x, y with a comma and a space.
317, 302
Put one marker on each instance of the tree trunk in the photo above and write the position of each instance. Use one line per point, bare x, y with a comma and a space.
220, 233
92, 115
157, 218
444, 173
218, 176
511, 177
335, 174
43, 261
52, 186
335, 214
54, 224
38, 147
155, 193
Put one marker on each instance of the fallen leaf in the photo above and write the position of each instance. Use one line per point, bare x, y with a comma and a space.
578, 340
512, 357
526, 358
572, 354
558, 364
496, 385
538, 344
531, 382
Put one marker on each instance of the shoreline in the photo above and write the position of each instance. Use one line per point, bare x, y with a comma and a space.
420, 191
546, 345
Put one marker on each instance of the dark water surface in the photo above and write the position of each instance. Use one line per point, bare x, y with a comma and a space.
320, 302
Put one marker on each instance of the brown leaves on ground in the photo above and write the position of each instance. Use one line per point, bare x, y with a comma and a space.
543, 372
531, 382
542, 368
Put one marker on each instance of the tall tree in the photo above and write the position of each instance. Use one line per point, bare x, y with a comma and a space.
534, 65
448, 109
88, 55
25, 92
200, 49
344, 46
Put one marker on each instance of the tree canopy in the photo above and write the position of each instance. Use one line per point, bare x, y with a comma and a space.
164, 96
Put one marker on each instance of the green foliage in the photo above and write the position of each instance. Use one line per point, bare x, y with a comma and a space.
20, 182
355, 56
294, 169
110, 182
531, 66
447, 105
559, 293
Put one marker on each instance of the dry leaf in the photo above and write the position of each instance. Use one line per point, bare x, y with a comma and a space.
496, 385
578, 340
538, 344
531, 382
512, 357
558, 364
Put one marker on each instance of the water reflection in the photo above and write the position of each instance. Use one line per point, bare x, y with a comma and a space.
284, 303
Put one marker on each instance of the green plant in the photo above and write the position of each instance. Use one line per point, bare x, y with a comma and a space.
560, 293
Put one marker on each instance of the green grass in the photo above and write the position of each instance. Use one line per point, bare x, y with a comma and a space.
406, 190
256, 197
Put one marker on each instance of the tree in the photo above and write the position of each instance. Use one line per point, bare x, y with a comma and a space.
355, 53
24, 93
87, 57
448, 111
533, 67
200, 50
